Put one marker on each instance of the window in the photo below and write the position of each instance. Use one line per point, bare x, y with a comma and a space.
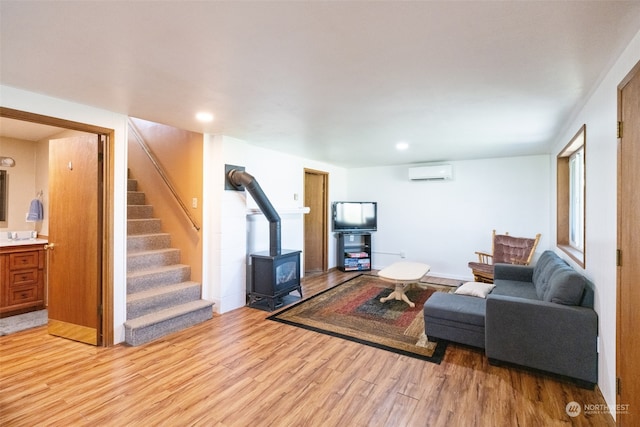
571, 173
576, 204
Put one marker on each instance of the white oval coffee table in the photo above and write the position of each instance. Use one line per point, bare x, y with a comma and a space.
403, 274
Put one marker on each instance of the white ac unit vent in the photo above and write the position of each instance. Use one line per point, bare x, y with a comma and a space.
431, 173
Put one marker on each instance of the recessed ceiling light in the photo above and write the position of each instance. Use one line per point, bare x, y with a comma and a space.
401, 146
204, 117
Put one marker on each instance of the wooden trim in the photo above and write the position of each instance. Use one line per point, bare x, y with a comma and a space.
619, 317
52, 121
563, 202
624, 82
622, 338
107, 242
108, 205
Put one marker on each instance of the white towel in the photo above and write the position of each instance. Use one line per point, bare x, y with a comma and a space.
36, 211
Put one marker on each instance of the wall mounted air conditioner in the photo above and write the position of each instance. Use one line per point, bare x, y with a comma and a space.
431, 173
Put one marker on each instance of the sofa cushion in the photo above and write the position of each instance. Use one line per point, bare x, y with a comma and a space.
543, 270
456, 308
475, 289
515, 288
566, 286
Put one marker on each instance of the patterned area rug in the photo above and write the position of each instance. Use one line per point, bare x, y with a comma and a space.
352, 310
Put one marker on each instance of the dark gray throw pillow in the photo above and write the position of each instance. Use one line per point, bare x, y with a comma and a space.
566, 286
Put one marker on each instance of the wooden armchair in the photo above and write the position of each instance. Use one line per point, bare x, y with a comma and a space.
504, 249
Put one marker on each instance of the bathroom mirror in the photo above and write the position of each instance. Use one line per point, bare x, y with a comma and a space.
3, 195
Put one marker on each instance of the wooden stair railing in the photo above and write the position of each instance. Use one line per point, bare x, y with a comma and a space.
156, 164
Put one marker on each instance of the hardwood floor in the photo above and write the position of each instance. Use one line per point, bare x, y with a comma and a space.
239, 369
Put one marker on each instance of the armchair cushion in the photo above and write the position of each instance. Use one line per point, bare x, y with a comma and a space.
512, 250
506, 249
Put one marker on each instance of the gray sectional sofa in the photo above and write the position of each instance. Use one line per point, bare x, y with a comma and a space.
540, 317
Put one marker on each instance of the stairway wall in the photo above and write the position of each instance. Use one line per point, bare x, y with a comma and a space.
180, 153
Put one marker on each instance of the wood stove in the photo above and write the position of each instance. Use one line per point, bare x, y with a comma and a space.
276, 272
273, 277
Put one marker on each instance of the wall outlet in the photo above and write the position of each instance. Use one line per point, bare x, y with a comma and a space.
403, 254
194, 203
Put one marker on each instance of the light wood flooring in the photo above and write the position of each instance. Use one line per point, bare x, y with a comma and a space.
240, 369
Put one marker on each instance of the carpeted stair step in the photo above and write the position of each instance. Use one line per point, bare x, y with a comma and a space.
139, 211
144, 226
155, 299
135, 198
161, 276
153, 326
147, 242
142, 260
161, 298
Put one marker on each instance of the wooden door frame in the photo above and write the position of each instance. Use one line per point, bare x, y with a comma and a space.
619, 342
325, 214
106, 291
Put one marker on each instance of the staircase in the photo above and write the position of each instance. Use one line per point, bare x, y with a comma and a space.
161, 298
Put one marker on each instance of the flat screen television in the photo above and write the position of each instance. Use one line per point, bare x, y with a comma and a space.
354, 216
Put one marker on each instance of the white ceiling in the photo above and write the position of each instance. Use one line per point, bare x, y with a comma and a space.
335, 81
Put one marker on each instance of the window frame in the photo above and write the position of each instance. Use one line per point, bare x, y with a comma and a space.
3, 196
566, 197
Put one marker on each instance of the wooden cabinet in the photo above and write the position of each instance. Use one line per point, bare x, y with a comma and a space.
22, 279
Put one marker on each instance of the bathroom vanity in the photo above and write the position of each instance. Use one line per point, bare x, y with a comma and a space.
22, 278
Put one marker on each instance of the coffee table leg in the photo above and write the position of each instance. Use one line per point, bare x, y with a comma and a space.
399, 295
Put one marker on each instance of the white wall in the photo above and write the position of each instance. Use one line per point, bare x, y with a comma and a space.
442, 223
21, 183
600, 116
42, 183
235, 234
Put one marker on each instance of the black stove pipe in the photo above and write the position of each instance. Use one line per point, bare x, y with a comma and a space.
241, 178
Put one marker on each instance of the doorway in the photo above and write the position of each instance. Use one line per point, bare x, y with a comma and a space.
316, 222
104, 251
628, 270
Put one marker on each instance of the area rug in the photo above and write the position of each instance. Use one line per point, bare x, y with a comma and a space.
352, 310
20, 322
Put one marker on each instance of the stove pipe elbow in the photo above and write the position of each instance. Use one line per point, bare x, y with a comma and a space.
242, 178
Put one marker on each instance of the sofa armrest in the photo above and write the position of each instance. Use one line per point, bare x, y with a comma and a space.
542, 335
521, 273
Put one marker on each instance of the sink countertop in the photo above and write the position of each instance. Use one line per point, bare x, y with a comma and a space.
22, 242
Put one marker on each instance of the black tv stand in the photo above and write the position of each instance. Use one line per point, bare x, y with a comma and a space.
354, 251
